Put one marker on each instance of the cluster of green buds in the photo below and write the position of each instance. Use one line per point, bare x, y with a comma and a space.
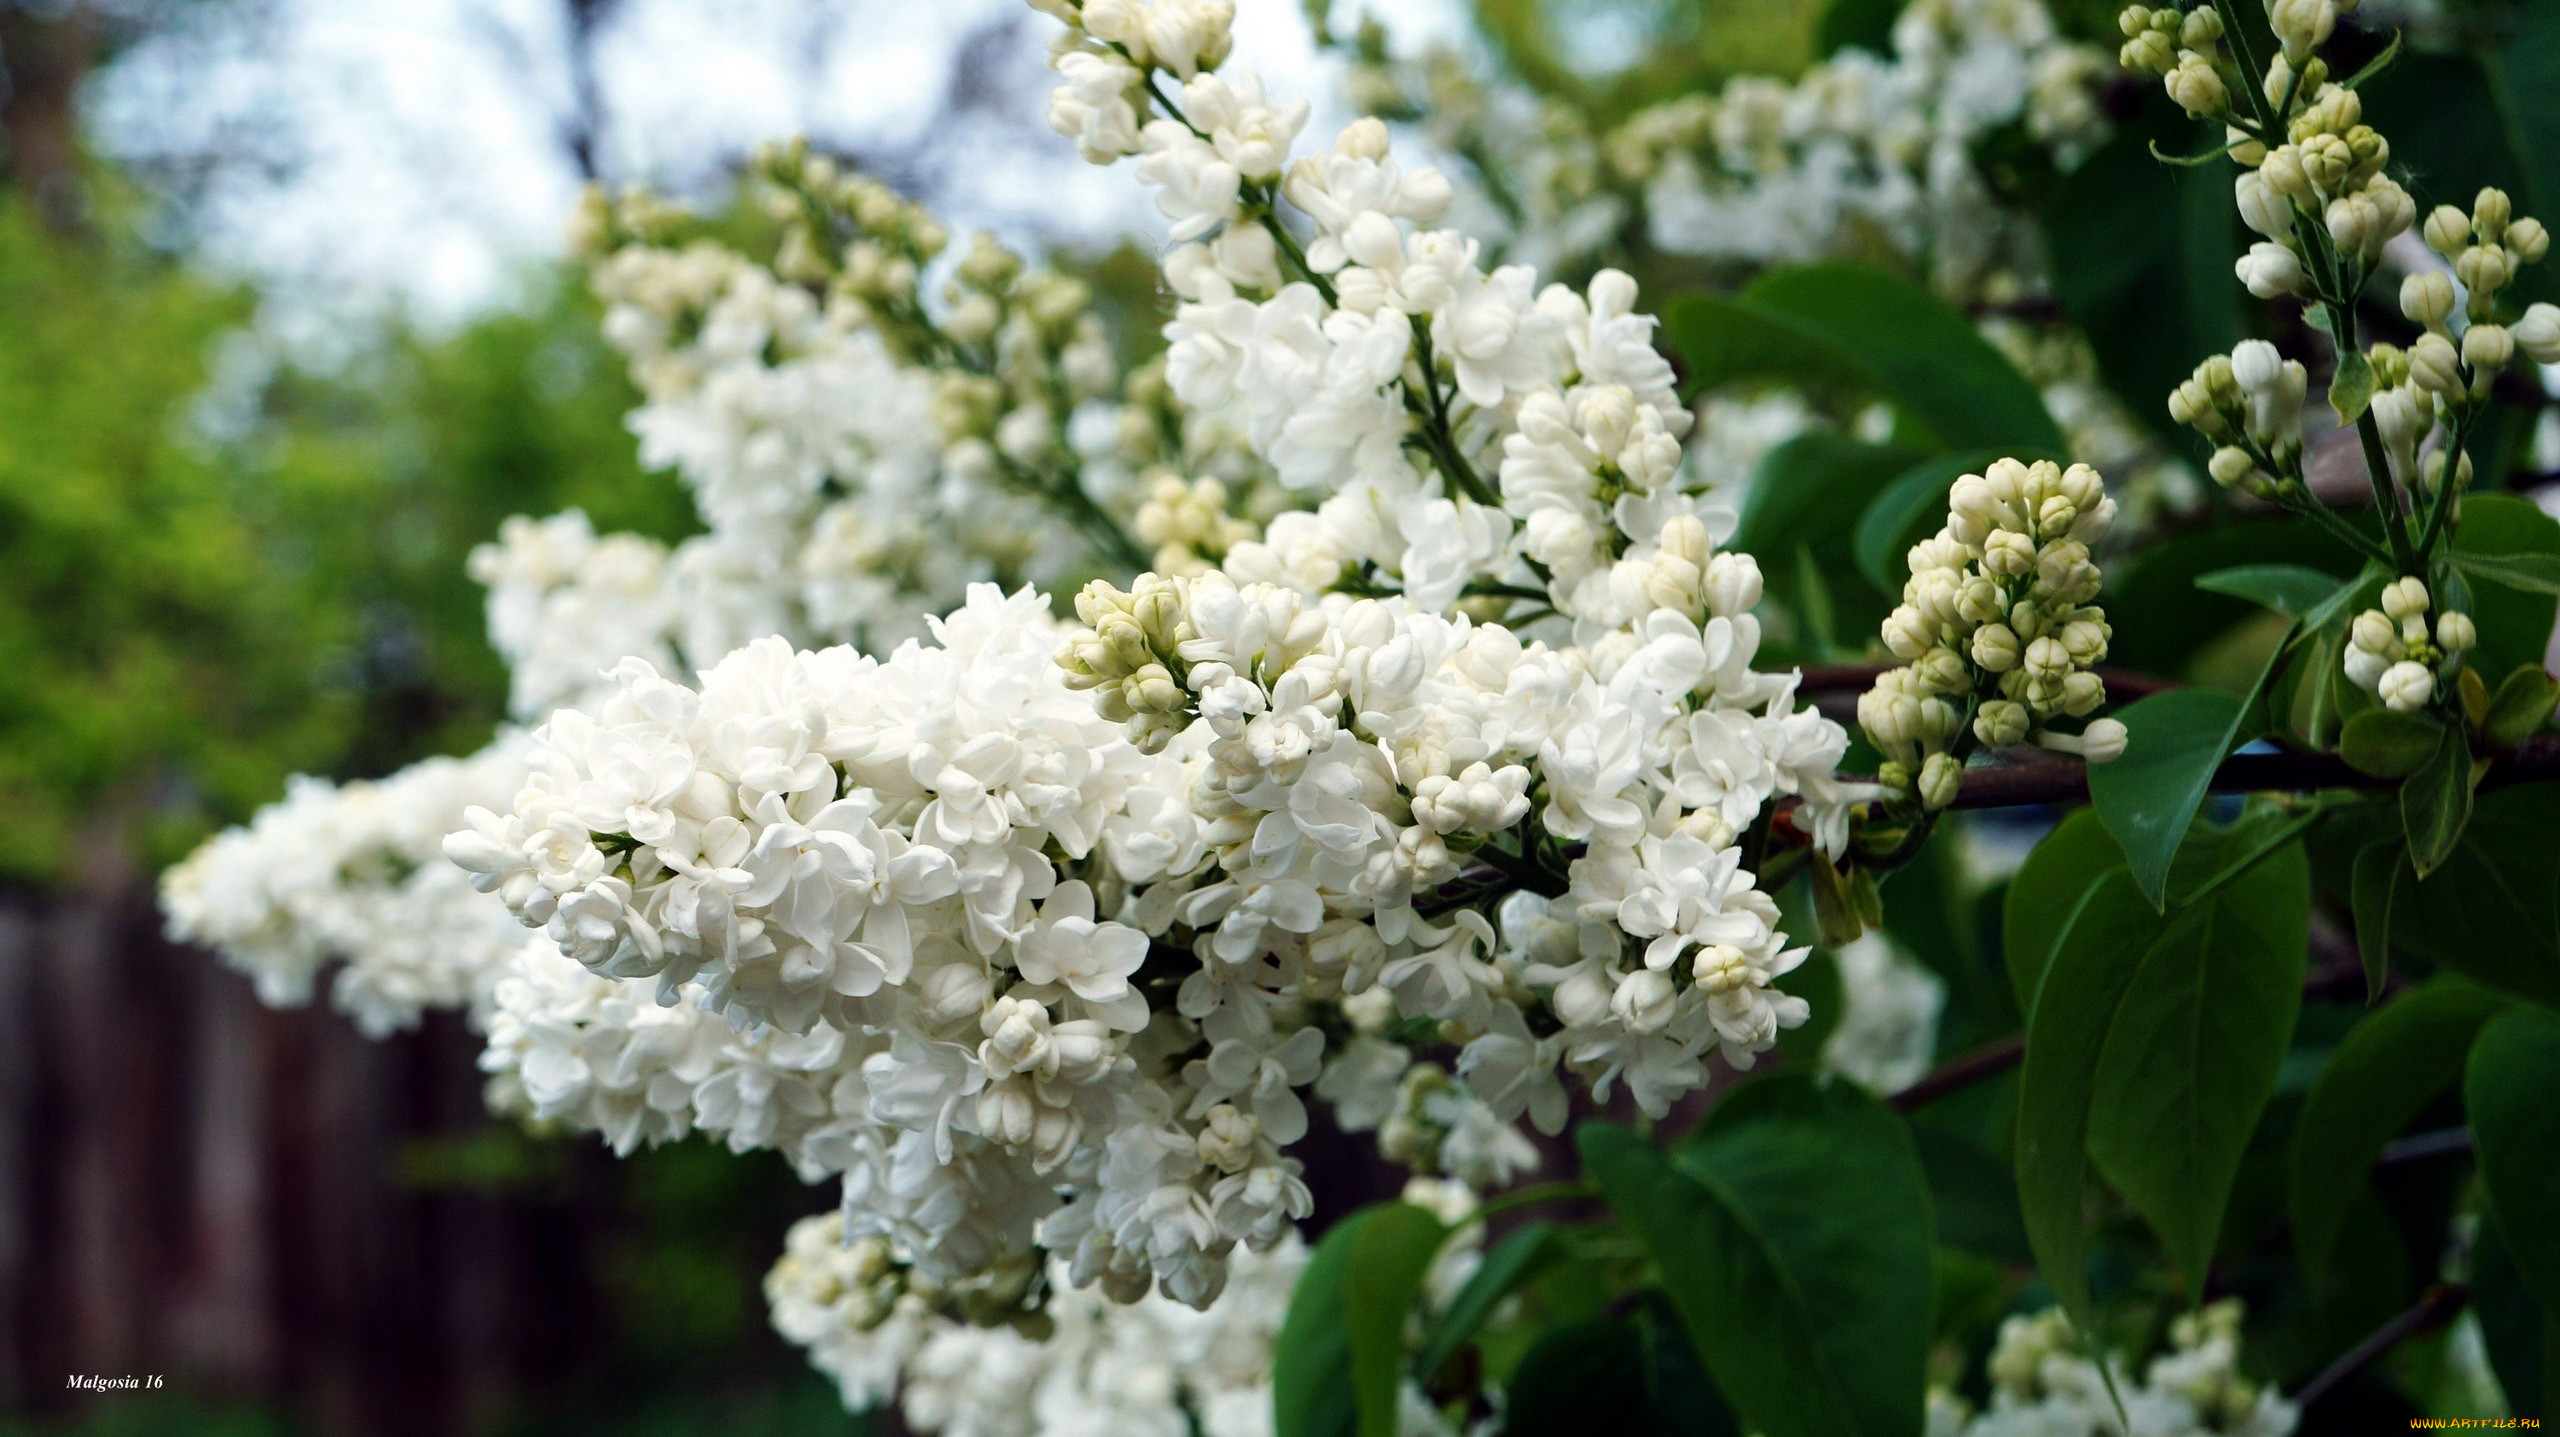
1022, 349
1128, 656
2328, 173
862, 240
1189, 524
2249, 404
1998, 630
2485, 248
605, 221
2394, 654
2184, 48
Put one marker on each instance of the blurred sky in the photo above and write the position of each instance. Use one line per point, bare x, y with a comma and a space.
339, 152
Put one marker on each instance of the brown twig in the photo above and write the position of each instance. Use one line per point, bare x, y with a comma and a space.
1986, 1061
2433, 1310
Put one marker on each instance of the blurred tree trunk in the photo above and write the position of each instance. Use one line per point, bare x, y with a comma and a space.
46, 52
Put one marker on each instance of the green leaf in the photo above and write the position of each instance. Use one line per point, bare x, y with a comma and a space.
1972, 1195
2162, 620
1809, 490
2526, 573
1340, 1359
2374, 66
2515, 626
2454, 126
1722, 339
2045, 893
2435, 801
1910, 509
2351, 388
2192, 1054
2523, 1340
1311, 1387
2387, 1070
2148, 796
2111, 931
1849, 325
2388, 743
1860, 24
2141, 256
2290, 589
2373, 887
2512, 1092
1389, 1258
2491, 912
2521, 706
1513, 1261
1792, 1231
1635, 1375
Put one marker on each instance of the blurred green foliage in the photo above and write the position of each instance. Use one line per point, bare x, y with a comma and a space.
207, 584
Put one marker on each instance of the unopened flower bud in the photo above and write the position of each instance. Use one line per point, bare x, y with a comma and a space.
2406, 686
1941, 779
2269, 270
2528, 239
2455, 633
2538, 333
2000, 723
1645, 1001
2489, 212
1995, 648
2487, 348
2448, 230
2102, 741
2197, 87
2082, 693
2432, 365
2404, 598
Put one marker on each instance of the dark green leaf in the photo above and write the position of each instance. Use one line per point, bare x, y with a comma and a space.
1340, 1358
2290, 589
2192, 1055
2374, 887
1862, 24
2515, 626
2435, 801
2141, 256
2521, 707
2162, 619
2492, 911
2512, 1091
2148, 796
1811, 489
2529, 573
1792, 1230
1722, 339
1924, 355
2453, 129
1634, 1375
1389, 1257
2523, 1340
1908, 510
1973, 1196
1311, 1387
2112, 929
1513, 1261
2046, 892
2389, 1068
2388, 743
